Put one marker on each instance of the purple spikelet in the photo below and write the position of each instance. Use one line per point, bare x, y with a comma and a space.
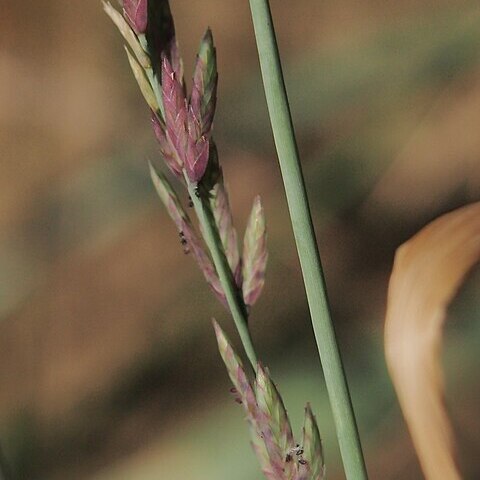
271, 433
312, 447
185, 228
176, 61
246, 396
175, 106
171, 159
254, 254
274, 420
198, 148
223, 217
135, 12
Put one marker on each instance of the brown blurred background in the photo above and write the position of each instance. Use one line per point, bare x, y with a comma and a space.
108, 368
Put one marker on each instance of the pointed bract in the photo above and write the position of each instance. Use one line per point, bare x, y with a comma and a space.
175, 106
223, 217
143, 83
135, 12
275, 424
177, 213
176, 61
128, 34
271, 433
246, 394
169, 198
169, 156
271, 405
254, 254
205, 82
198, 149
312, 447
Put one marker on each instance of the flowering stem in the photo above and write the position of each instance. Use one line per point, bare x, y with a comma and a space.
214, 244
280, 116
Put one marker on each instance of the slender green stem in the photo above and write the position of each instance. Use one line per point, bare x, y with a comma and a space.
213, 241
285, 141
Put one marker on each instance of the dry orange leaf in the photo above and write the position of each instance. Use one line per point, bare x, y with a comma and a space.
427, 273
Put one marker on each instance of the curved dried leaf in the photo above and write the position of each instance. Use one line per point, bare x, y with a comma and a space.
427, 273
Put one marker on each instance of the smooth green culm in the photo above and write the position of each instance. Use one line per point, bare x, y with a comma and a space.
280, 116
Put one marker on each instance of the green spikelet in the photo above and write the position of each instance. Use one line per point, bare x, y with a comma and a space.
143, 83
254, 254
222, 212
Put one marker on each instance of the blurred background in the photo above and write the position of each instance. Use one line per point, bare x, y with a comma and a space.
108, 364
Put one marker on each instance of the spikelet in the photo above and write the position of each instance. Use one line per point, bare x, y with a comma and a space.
312, 448
246, 397
175, 106
169, 155
135, 12
143, 83
254, 254
128, 34
222, 212
198, 148
205, 81
201, 110
274, 423
177, 213
272, 439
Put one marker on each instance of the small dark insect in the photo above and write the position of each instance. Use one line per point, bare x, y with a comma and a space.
302, 461
190, 201
288, 458
197, 192
236, 396
299, 452
183, 241
181, 234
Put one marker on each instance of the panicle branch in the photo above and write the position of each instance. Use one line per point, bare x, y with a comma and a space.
271, 433
183, 127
